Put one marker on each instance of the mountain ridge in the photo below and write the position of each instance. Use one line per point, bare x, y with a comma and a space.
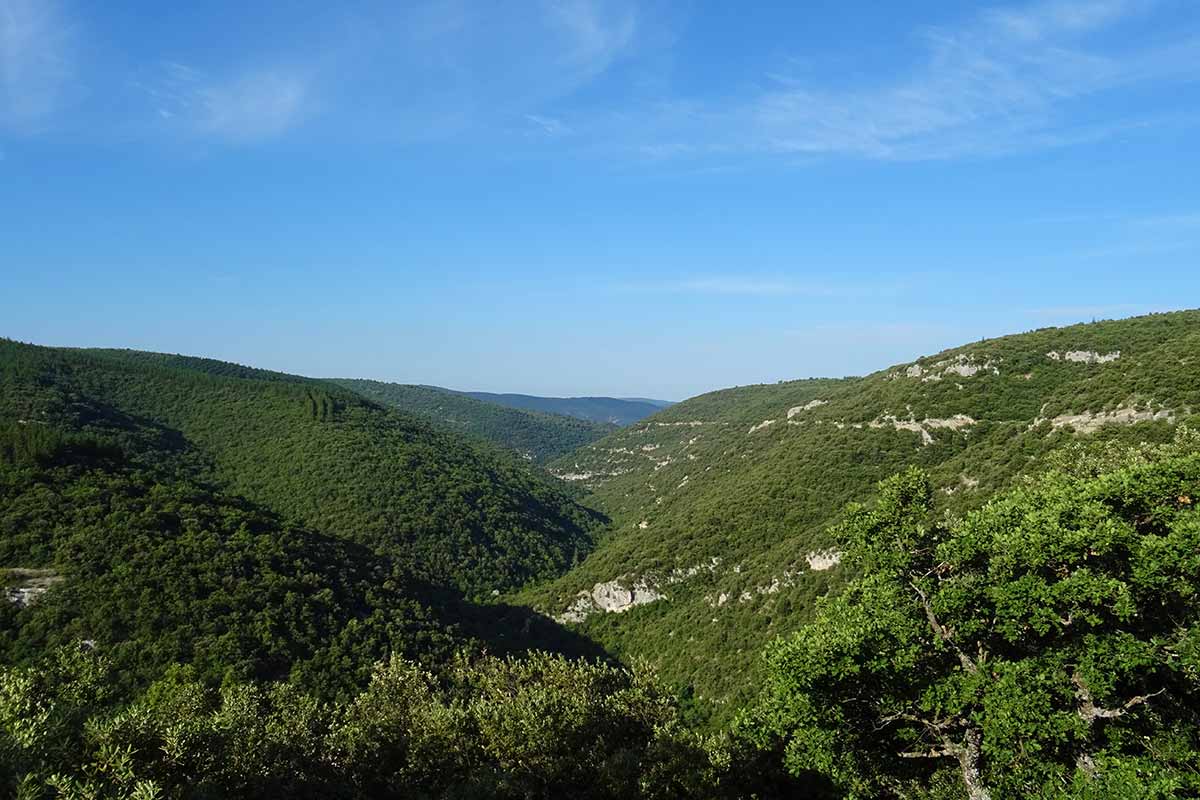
720, 506
536, 435
613, 410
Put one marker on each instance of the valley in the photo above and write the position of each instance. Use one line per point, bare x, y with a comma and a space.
172, 512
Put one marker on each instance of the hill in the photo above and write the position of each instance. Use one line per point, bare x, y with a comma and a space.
609, 410
535, 435
252, 523
720, 505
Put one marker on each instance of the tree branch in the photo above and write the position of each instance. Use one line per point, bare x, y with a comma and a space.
1089, 712
943, 633
938, 751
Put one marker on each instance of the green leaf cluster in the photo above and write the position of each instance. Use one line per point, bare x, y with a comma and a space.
1043, 645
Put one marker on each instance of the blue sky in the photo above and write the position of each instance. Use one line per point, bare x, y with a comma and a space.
592, 197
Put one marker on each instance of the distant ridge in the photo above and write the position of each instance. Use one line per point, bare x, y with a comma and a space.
613, 410
535, 435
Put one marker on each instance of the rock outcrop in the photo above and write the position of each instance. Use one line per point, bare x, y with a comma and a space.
612, 597
1084, 356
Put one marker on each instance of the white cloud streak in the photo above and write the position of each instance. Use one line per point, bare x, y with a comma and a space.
597, 32
245, 108
1003, 81
754, 286
35, 61
983, 88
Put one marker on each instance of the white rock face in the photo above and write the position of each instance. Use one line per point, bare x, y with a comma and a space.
1084, 356
964, 366
809, 406
964, 482
766, 423
613, 597
957, 422
821, 560
23, 596
27, 585
576, 476
1090, 422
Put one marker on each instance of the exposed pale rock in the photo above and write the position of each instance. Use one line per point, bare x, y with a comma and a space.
1090, 422
612, 597
27, 585
809, 406
962, 365
587, 476
1084, 356
821, 560
957, 422
766, 423
576, 476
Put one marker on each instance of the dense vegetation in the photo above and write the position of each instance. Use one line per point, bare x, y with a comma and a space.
224, 582
448, 510
1045, 645
605, 410
718, 502
256, 527
541, 727
162, 573
538, 436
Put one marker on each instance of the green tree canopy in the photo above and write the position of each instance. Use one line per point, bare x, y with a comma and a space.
1045, 645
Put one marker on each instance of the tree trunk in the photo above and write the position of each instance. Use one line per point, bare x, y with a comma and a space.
968, 759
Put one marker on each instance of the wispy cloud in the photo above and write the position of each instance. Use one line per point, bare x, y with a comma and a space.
248, 107
1003, 81
754, 286
1184, 221
597, 32
35, 61
548, 126
992, 85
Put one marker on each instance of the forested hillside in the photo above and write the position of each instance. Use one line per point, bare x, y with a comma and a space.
721, 505
973, 574
605, 410
454, 512
257, 526
1044, 645
538, 436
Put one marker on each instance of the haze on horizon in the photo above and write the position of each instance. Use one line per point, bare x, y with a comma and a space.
592, 197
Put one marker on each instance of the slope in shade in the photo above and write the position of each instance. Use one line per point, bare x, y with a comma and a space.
450, 511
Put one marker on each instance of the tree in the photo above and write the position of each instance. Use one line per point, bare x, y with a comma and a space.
1045, 645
